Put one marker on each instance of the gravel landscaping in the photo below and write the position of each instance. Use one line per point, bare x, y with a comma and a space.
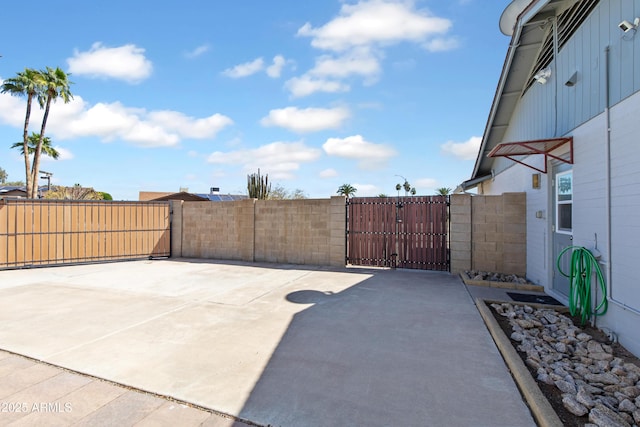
588, 379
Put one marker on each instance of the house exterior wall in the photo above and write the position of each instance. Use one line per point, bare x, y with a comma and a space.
581, 114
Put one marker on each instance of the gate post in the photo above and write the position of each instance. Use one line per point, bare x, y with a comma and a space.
460, 239
338, 227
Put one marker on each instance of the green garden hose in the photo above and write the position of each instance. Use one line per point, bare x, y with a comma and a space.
583, 264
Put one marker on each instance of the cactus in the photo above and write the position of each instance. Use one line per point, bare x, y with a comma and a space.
258, 186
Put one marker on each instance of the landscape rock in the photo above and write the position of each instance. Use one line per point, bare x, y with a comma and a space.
585, 398
591, 379
605, 417
566, 387
573, 406
627, 406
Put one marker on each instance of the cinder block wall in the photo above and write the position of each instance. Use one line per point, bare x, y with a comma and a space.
300, 231
218, 230
489, 233
308, 231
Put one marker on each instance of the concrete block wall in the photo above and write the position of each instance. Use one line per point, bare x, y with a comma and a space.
460, 232
218, 230
308, 231
489, 233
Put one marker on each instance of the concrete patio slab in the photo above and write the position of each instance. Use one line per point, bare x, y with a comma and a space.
273, 344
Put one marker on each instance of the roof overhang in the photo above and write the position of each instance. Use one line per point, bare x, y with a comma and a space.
527, 39
527, 148
472, 183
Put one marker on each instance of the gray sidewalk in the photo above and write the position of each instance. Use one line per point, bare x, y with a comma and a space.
273, 344
36, 394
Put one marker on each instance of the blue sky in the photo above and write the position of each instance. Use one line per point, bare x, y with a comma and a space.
199, 94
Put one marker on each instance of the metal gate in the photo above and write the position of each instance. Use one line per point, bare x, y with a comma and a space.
57, 232
404, 232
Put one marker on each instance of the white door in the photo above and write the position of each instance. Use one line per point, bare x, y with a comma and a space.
562, 225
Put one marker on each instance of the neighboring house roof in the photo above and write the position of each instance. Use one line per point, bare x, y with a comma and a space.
527, 54
183, 195
17, 191
145, 196
222, 197
187, 197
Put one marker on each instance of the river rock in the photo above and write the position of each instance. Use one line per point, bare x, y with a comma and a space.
585, 398
566, 387
573, 406
606, 417
605, 378
627, 406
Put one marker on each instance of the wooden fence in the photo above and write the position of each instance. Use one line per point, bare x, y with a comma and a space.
54, 232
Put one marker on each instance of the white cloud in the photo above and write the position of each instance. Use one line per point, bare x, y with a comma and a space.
467, 150
275, 69
380, 22
368, 154
63, 154
425, 185
126, 63
366, 190
189, 127
279, 159
200, 50
358, 61
307, 85
442, 44
328, 173
12, 110
306, 120
244, 70
111, 121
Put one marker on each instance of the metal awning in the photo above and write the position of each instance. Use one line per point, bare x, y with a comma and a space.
538, 146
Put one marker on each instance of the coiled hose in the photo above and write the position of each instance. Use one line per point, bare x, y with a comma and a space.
583, 264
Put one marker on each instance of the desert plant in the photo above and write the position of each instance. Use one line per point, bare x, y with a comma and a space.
258, 186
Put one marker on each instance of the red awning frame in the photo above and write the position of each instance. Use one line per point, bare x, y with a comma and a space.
538, 146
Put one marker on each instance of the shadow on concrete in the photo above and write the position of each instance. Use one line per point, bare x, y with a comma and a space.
399, 348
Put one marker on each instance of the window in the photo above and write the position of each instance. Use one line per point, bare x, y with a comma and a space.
564, 202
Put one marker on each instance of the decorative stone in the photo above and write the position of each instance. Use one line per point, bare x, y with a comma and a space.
550, 317
566, 387
560, 347
585, 398
591, 379
606, 378
627, 406
573, 406
606, 417
583, 337
608, 401
600, 356
517, 336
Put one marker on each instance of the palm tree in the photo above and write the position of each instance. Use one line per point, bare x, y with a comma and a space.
443, 191
47, 148
54, 84
347, 190
25, 83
